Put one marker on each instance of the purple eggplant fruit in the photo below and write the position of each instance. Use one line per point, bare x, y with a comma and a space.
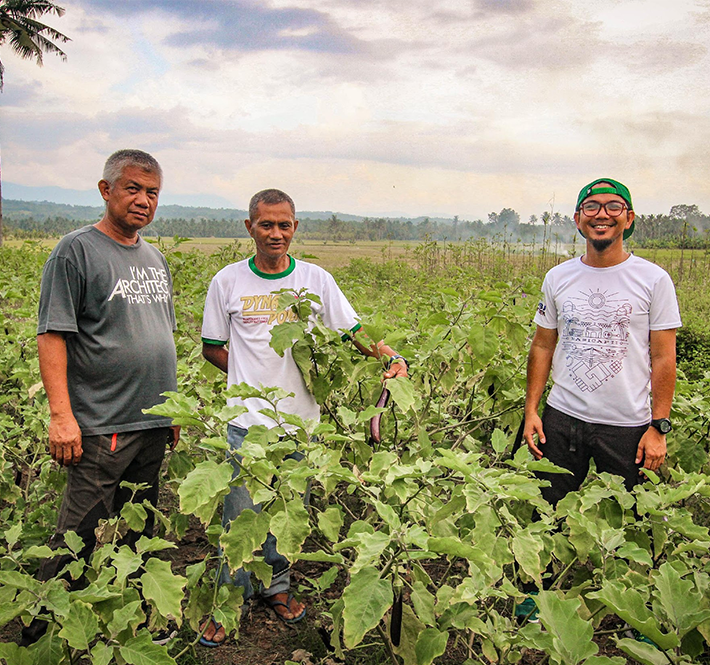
375, 436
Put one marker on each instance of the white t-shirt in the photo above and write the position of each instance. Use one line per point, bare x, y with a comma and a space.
601, 368
241, 309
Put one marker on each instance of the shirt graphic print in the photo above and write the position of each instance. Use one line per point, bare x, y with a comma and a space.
595, 337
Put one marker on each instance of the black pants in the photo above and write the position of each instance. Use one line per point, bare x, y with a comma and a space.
571, 443
93, 493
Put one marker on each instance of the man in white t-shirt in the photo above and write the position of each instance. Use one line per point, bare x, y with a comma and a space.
606, 326
240, 310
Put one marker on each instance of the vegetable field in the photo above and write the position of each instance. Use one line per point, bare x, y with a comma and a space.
412, 550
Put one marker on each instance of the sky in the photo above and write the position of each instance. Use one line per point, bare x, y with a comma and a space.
404, 107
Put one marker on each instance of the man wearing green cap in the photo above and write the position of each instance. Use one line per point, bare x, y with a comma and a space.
606, 327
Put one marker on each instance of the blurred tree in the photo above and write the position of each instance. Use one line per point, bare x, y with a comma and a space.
28, 38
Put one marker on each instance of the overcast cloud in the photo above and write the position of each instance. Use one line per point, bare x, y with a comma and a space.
413, 107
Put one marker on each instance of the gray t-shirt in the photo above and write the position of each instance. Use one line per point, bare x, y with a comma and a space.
113, 303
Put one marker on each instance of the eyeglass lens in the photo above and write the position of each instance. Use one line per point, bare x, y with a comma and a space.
612, 208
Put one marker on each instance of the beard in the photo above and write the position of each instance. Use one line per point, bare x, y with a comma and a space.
600, 244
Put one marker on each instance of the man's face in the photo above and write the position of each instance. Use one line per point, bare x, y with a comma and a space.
272, 229
132, 200
602, 230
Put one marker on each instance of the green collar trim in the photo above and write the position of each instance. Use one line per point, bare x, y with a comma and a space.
272, 275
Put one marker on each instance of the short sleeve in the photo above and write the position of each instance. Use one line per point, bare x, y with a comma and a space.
664, 313
215, 321
62, 293
546, 314
339, 314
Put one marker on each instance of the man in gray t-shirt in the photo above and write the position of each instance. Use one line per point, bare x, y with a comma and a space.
106, 353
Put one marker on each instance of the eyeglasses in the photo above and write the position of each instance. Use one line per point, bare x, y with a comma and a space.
612, 208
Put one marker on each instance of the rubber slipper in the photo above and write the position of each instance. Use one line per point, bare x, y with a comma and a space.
272, 603
211, 643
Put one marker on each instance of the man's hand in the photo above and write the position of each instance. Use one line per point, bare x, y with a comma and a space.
397, 368
651, 450
65, 439
533, 426
175, 436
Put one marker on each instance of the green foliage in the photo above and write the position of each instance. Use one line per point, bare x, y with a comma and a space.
443, 513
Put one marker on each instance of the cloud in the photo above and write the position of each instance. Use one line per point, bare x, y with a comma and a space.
244, 26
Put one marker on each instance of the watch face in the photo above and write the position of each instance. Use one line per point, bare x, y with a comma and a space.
663, 425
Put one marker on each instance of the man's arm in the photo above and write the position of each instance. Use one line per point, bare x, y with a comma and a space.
539, 363
64, 432
397, 368
652, 447
217, 354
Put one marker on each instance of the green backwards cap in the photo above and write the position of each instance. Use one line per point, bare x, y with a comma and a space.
615, 188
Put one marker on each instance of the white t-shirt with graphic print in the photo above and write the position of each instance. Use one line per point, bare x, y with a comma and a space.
601, 368
241, 309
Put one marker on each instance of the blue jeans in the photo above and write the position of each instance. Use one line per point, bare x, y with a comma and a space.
235, 502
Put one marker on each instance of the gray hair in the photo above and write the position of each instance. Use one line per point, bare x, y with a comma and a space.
269, 197
117, 163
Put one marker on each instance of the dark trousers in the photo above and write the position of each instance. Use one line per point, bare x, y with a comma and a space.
93, 493
571, 443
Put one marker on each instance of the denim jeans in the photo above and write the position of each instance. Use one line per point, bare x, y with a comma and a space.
235, 502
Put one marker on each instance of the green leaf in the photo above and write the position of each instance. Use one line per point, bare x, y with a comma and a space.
572, 636
633, 552
146, 545
629, 605
49, 649
291, 528
101, 654
411, 629
130, 615
80, 626
163, 588
323, 557
330, 521
499, 441
140, 650
366, 600
684, 606
263, 571
402, 390
527, 548
284, 335
12, 535
246, 533
431, 644
74, 543
453, 547
605, 660
644, 653
135, 515
126, 562
203, 488
15, 655
423, 602
483, 341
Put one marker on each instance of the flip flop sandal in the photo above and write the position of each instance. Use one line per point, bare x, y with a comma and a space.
211, 643
273, 603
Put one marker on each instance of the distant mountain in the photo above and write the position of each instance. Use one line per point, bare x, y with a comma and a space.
42, 202
91, 197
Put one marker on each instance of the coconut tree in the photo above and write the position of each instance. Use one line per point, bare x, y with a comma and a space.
28, 37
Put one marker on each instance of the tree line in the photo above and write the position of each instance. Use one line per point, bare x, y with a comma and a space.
684, 226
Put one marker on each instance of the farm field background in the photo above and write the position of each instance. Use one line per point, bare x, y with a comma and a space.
438, 525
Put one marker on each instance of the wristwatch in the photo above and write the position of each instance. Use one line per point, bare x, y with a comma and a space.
663, 425
395, 358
